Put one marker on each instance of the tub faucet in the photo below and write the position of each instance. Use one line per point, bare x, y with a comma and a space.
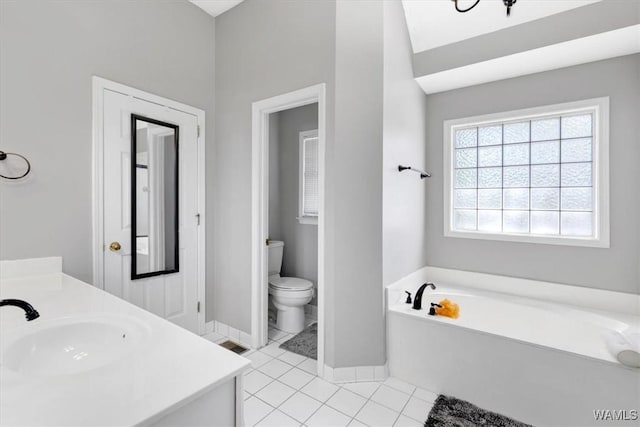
29, 311
417, 300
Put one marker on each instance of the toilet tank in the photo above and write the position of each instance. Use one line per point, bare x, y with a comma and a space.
276, 248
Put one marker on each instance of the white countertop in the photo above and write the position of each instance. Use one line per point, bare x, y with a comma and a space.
170, 368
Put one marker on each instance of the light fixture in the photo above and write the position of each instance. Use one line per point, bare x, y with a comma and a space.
507, 3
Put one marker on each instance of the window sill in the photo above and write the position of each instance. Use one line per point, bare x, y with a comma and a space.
590, 242
308, 220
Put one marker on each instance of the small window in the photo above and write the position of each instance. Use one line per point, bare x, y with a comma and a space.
308, 194
538, 175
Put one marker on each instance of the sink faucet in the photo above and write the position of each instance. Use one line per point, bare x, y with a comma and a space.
417, 300
29, 311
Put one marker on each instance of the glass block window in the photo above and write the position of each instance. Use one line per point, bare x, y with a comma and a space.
527, 176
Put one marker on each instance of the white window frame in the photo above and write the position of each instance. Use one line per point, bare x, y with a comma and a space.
302, 218
600, 109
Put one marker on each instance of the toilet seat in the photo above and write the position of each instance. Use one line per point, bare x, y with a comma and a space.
290, 284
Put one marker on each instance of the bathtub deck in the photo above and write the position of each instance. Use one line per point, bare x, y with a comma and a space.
541, 362
531, 383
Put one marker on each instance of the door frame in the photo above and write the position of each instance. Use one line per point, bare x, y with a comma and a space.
260, 208
99, 85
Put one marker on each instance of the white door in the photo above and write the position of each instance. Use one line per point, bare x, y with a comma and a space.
173, 296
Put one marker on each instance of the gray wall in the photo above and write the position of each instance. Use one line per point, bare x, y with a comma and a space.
48, 53
355, 317
269, 48
616, 268
404, 133
300, 240
263, 49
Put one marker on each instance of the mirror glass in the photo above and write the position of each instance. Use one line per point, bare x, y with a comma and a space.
154, 193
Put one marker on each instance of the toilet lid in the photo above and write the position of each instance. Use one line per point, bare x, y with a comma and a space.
292, 283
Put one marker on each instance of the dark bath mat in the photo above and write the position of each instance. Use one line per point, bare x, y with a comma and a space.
451, 412
305, 343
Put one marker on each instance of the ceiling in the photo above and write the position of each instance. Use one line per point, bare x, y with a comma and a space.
215, 7
620, 42
434, 23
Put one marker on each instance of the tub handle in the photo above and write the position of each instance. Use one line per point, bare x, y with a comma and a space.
432, 310
408, 301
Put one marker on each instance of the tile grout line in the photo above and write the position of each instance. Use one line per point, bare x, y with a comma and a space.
321, 405
299, 390
384, 406
365, 403
266, 415
258, 369
274, 408
275, 379
351, 418
325, 403
311, 397
254, 395
405, 405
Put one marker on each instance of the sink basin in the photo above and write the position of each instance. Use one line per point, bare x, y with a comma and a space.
72, 345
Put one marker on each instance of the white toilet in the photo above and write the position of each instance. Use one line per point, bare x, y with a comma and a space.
288, 294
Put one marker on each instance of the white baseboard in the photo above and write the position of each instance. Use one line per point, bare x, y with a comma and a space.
356, 373
209, 327
232, 333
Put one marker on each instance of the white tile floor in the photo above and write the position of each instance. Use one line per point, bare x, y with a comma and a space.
282, 389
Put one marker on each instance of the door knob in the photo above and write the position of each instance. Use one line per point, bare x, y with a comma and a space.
115, 246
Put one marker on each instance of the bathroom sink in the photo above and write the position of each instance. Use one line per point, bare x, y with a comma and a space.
72, 345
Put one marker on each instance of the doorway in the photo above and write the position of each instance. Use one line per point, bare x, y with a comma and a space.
149, 202
262, 111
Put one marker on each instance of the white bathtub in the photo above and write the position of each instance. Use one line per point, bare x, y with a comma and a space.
542, 362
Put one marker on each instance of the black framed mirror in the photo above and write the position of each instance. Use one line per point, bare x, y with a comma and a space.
154, 197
